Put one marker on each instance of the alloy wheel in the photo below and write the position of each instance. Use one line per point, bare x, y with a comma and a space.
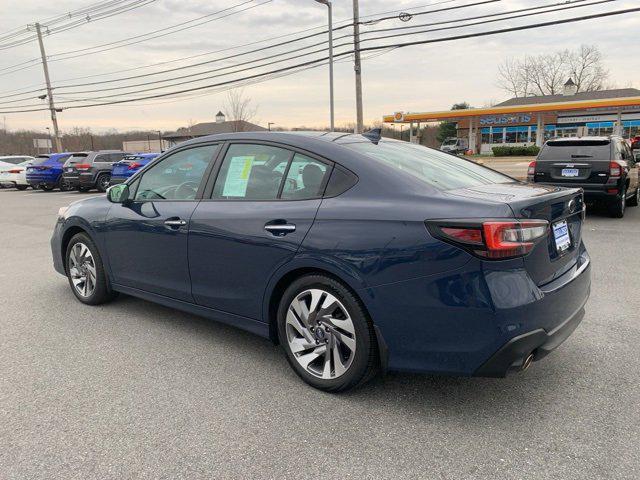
320, 333
82, 269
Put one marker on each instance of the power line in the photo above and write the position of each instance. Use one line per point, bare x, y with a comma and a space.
372, 48
459, 25
173, 79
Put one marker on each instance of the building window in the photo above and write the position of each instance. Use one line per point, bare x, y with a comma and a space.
496, 136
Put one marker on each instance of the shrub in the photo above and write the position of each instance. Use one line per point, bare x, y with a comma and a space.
523, 151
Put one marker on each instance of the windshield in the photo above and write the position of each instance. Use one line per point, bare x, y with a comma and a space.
586, 150
76, 158
437, 169
450, 141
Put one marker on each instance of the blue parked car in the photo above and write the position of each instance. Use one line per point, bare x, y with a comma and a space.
355, 253
129, 165
46, 172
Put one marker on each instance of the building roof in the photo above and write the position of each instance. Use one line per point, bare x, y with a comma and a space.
600, 94
569, 83
213, 128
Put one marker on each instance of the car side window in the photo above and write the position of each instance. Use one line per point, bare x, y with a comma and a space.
251, 172
116, 157
306, 178
177, 177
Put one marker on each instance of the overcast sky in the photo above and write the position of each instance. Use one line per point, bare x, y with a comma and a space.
419, 78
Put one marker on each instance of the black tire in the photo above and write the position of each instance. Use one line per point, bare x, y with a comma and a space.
102, 182
102, 292
635, 200
22, 187
64, 186
617, 207
46, 188
84, 189
365, 362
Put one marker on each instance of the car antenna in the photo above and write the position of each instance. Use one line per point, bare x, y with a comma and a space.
375, 134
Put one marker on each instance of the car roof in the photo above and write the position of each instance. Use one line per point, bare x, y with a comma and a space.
584, 139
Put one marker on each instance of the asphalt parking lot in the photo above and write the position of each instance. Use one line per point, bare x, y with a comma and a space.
136, 390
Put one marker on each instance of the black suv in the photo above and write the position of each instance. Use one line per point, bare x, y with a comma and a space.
603, 166
87, 170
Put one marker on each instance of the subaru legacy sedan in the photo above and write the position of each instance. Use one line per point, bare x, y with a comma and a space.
356, 254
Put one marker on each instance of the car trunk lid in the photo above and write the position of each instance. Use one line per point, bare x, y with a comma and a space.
561, 207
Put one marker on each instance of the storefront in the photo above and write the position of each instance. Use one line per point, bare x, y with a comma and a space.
517, 121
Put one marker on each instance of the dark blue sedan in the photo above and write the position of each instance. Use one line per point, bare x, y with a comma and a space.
356, 254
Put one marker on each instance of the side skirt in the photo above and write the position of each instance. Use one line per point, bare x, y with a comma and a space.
244, 323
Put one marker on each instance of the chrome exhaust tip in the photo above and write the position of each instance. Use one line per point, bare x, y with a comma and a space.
527, 362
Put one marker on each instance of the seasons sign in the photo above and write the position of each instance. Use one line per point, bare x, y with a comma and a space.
505, 119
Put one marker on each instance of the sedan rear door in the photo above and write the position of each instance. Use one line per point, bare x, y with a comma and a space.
263, 202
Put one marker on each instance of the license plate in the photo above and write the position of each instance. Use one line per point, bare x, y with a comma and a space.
561, 235
570, 172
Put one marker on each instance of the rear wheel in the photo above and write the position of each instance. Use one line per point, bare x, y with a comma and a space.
635, 200
85, 271
326, 334
46, 188
103, 182
64, 186
617, 207
22, 187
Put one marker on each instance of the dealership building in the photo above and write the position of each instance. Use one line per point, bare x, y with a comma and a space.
517, 121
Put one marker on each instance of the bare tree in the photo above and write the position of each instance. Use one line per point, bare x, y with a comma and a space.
546, 74
239, 109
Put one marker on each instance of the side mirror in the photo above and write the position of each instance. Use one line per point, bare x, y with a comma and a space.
118, 193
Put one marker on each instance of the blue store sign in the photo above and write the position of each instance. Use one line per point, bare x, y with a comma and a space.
505, 119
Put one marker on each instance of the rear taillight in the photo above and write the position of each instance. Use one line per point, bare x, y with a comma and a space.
492, 239
14, 171
134, 166
614, 169
83, 166
532, 168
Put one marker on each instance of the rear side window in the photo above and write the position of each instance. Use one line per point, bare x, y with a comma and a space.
575, 150
115, 157
341, 180
103, 157
251, 172
305, 178
437, 169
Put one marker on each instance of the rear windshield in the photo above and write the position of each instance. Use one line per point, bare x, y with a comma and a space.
77, 158
435, 168
586, 150
40, 160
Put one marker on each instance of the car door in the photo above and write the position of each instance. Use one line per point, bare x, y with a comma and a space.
632, 165
263, 202
146, 237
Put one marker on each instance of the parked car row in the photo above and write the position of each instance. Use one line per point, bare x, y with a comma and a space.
66, 171
604, 167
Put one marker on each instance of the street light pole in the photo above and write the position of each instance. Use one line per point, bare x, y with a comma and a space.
357, 66
331, 104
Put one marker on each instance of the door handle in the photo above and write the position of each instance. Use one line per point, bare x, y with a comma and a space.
281, 229
175, 223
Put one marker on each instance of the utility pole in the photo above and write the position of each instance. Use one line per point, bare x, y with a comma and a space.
52, 107
357, 65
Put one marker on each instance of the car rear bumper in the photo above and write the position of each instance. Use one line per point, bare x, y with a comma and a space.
477, 321
117, 180
82, 179
592, 191
36, 180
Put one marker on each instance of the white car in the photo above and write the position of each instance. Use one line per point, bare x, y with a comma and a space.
13, 171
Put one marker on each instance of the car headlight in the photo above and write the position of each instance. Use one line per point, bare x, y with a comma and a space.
62, 211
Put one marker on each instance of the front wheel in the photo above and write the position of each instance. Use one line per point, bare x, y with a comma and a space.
85, 271
327, 336
22, 187
617, 207
64, 186
103, 182
46, 188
